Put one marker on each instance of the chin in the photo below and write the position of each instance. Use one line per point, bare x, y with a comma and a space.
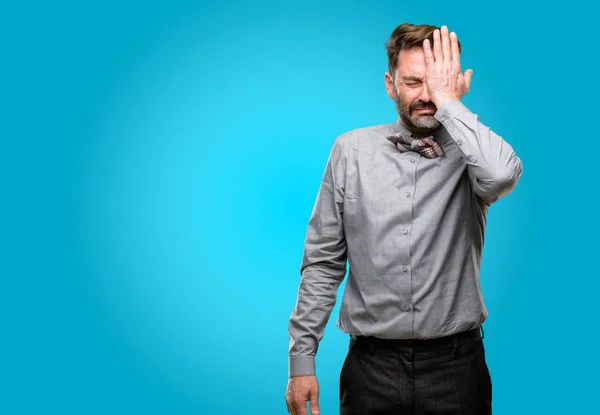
426, 122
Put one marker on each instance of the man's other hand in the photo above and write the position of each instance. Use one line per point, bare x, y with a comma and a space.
301, 389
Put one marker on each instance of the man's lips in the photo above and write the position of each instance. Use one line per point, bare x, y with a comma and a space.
427, 110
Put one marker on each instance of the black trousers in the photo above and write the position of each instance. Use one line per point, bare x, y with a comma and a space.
447, 376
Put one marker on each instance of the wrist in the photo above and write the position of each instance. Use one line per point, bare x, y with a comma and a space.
439, 101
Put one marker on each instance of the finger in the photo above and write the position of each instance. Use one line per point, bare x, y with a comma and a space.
300, 408
455, 53
445, 45
291, 404
288, 399
428, 53
314, 402
468, 76
437, 46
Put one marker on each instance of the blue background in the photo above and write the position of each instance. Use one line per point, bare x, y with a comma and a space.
160, 161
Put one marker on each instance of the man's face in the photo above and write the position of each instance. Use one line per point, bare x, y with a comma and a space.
409, 92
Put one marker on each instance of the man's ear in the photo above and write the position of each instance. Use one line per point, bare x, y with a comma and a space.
389, 86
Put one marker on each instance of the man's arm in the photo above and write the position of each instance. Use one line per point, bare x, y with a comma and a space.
492, 164
323, 268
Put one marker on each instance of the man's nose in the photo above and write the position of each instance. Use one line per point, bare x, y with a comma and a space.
424, 94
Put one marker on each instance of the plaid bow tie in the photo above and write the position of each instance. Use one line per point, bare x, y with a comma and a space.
427, 146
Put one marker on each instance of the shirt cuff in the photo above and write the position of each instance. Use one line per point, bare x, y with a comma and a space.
449, 110
301, 366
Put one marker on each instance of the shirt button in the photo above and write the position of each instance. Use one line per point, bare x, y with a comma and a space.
405, 232
459, 142
443, 118
407, 307
407, 194
412, 161
405, 269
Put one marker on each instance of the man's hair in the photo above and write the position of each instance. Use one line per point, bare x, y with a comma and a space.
407, 36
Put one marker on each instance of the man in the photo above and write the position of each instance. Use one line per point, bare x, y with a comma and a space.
405, 204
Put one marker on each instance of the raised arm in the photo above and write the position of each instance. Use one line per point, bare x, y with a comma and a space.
492, 164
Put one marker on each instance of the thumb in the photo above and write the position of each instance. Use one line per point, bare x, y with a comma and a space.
314, 402
468, 76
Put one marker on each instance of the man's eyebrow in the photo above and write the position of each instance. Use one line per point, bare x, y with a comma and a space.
412, 78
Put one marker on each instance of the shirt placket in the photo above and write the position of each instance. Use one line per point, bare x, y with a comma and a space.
407, 191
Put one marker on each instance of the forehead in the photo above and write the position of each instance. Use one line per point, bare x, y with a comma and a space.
411, 62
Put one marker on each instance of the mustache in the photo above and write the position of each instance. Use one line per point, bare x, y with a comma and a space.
420, 104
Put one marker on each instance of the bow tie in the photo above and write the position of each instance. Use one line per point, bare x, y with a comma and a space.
426, 146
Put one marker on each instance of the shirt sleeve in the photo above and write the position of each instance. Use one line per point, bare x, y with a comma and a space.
492, 165
323, 268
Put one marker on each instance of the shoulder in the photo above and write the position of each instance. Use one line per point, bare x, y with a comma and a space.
366, 139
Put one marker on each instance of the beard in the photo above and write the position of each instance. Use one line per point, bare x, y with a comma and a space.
421, 124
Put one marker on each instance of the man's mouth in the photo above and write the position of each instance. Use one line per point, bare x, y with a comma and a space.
425, 110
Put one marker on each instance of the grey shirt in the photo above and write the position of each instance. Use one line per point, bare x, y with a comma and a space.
411, 230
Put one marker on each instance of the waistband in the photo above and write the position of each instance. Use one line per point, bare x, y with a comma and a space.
436, 343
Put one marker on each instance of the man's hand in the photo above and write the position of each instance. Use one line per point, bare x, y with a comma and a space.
445, 81
299, 390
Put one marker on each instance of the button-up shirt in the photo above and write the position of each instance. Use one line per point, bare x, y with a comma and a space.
411, 230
